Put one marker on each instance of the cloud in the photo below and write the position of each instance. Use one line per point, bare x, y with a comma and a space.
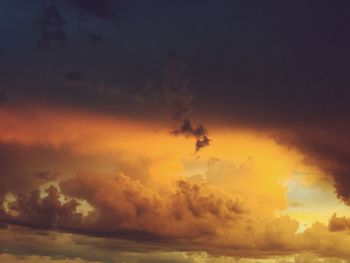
51, 24
9, 258
138, 201
176, 89
48, 212
193, 208
326, 148
180, 99
190, 218
200, 133
18, 170
337, 223
184, 217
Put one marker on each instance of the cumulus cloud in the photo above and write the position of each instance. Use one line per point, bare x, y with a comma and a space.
339, 223
131, 204
43, 212
124, 205
186, 216
187, 211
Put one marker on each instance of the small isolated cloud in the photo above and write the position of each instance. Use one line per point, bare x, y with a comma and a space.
199, 132
180, 99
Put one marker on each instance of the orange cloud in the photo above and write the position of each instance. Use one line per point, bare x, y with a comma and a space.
144, 183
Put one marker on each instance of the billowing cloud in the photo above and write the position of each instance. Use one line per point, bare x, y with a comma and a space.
141, 190
122, 205
111, 154
187, 217
339, 223
327, 149
47, 212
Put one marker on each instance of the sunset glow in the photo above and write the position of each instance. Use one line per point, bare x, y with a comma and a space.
174, 131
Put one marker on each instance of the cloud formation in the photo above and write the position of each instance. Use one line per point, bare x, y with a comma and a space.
47, 212
186, 216
195, 209
143, 199
326, 148
199, 133
180, 99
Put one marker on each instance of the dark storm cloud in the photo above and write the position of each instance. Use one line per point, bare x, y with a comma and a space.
327, 148
199, 132
53, 22
52, 27
283, 68
180, 99
277, 66
176, 88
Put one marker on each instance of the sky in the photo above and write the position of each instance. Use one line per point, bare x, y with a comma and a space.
174, 131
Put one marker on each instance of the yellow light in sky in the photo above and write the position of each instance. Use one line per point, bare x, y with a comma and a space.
248, 164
